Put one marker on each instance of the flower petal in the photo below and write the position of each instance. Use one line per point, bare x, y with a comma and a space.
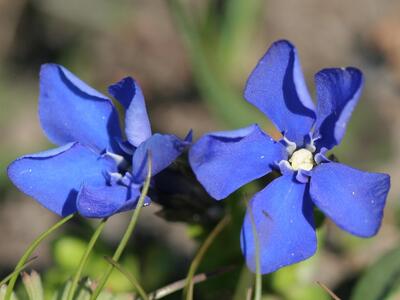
104, 201
54, 177
338, 92
277, 87
224, 161
72, 111
164, 149
137, 124
353, 199
283, 217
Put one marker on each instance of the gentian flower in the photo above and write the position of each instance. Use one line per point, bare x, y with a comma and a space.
283, 211
93, 171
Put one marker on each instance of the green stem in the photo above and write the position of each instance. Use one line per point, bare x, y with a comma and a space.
188, 291
246, 280
130, 277
332, 294
29, 252
180, 284
84, 259
127, 234
19, 270
258, 281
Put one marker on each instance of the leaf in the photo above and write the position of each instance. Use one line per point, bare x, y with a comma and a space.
209, 75
381, 279
68, 251
3, 289
33, 286
84, 291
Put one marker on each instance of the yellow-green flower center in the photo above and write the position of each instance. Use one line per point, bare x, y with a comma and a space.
302, 159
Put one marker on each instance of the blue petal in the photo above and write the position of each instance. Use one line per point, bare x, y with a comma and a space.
54, 177
72, 111
283, 217
104, 201
338, 92
353, 199
137, 124
277, 87
164, 149
224, 161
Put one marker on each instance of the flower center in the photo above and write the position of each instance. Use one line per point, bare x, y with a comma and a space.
302, 159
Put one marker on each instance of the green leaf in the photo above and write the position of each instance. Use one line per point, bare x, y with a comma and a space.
84, 291
68, 251
33, 286
3, 290
381, 279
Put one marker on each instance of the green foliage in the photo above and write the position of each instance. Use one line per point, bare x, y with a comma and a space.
33, 286
3, 290
84, 292
213, 67
68, 251
33, 290
381, 281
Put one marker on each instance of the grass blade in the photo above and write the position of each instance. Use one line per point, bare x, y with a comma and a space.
128, 232
258, 281
188, 290
180, 284
129, 276
332, 294
84, 258
19, 270
29, 252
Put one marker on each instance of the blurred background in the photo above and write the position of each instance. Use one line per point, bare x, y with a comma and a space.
192, 63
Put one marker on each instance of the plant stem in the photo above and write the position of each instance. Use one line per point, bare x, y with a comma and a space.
180, 284
29, 252
130, 277
328, 290
258, 282
188, 290
127, 234
84, 258
7, 278
246, 280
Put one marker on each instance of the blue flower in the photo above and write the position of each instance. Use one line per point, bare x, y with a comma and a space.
283, 211
94, 171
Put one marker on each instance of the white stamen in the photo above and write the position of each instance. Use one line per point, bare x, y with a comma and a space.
302, 159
